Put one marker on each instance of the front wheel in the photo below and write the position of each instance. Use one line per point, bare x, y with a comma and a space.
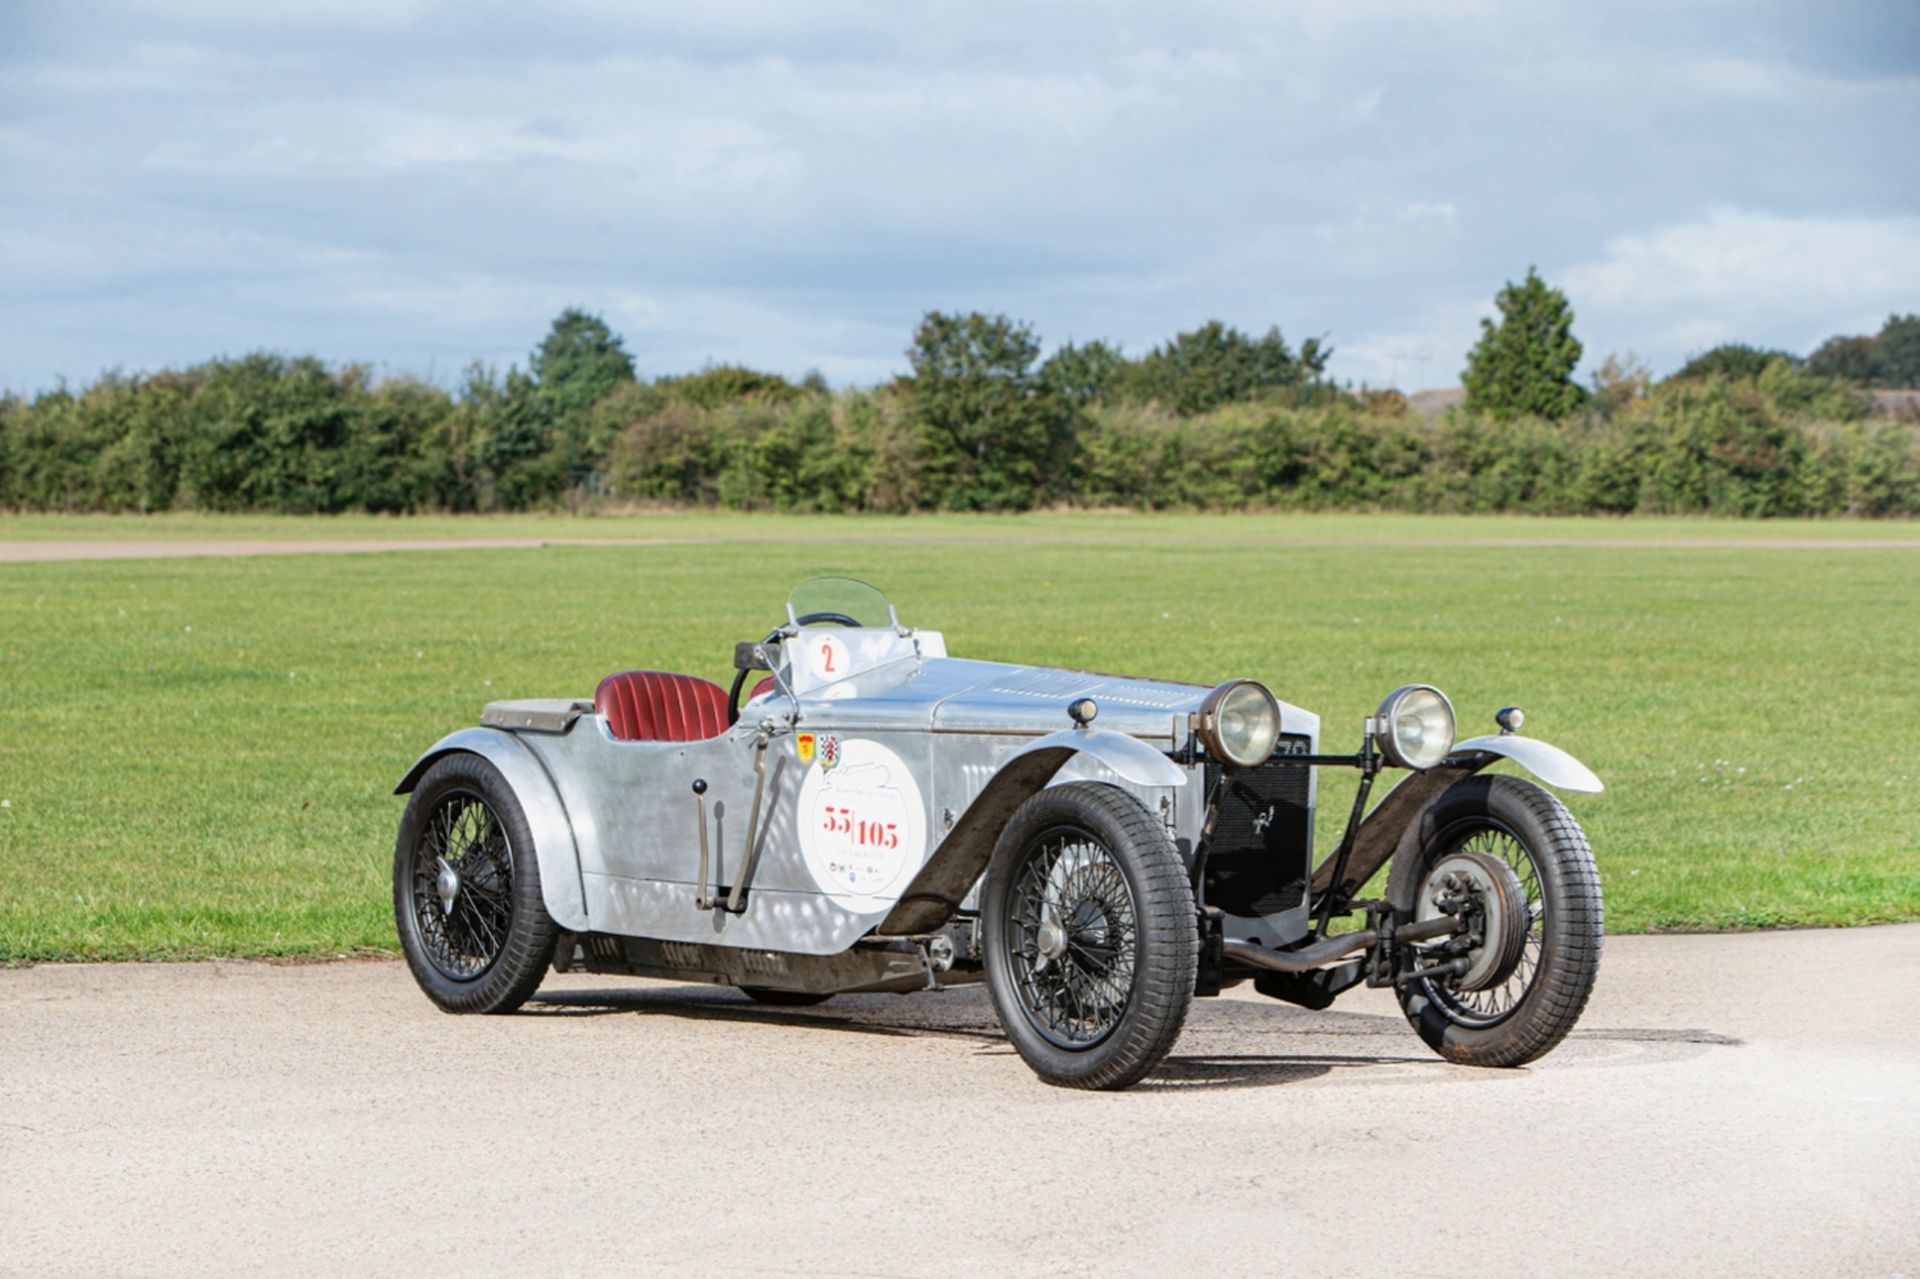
1518, 854
1089, 935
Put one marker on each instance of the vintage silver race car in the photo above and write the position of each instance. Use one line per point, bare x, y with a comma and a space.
878, 816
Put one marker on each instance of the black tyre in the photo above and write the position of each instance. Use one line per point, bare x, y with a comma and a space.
784, 998
1089, 935
1528, 985
466, 891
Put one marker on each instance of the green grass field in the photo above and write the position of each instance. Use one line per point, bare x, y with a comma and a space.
196, 755
1076, 527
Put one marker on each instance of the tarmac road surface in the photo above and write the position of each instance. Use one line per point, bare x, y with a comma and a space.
1739, 1105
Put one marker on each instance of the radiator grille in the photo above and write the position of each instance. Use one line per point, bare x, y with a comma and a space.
1262, 845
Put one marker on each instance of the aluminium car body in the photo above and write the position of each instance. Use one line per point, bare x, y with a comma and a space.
839, 830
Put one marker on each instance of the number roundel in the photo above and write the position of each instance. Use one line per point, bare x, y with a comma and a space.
862, 822
844, 821
828, 657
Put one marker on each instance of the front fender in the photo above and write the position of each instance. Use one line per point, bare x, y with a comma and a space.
1381, 831
1131, 758
561, 887
1547, 762
963, 855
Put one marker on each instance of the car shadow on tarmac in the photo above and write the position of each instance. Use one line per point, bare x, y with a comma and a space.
1225, 1045
967, 1015
1228, 1043
699, 1003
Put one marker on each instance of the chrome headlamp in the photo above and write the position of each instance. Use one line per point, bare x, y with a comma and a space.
1240, 723
1414, 726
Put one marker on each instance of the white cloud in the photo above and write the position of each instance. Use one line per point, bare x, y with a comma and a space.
1741, 78
1427, 349
793, 184
1746, 275
1734, 275
149, 67
1430, 211
1740, 259
350, 14
1779, 82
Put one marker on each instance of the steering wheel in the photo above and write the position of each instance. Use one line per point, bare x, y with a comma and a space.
773, 637
814, 619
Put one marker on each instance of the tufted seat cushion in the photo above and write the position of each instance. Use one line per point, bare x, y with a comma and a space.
657, 706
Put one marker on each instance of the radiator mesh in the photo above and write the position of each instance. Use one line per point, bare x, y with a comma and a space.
1262, 845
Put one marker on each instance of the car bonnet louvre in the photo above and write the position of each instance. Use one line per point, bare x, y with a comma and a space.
1057, 685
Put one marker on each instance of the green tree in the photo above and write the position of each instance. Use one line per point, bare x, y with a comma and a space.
993, 438
719, 384
1851, 359
13, 420
1890, 358
1899, 351
1524, 364
1083, 374
1733, 359
267, 434
579, 362
1619, 381
1217, 364
397, 456
518, 466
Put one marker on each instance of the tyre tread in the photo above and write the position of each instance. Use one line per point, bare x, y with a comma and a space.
531, 938
1163, 990
1551, 1008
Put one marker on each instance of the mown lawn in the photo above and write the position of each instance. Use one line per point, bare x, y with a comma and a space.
196, 755
1063, 526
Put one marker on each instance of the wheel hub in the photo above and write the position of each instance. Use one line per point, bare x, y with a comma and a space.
447, 886
1051, 941
1490, 889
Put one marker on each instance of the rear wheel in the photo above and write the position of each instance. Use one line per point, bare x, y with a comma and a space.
1520, 857
1089, 936
466, 890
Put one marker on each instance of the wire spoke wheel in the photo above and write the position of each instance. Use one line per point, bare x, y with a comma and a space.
466, 890
463, 886
1071, 943
1089, 936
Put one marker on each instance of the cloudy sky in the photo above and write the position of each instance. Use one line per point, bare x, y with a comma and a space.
417, 183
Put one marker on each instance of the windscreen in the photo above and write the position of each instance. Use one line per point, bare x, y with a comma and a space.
839, 601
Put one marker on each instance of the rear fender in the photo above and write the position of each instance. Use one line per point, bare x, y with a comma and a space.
1395, 820
963, 855
561, 887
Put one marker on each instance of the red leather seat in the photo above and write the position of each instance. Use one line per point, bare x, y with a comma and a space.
658, 706
764, 686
